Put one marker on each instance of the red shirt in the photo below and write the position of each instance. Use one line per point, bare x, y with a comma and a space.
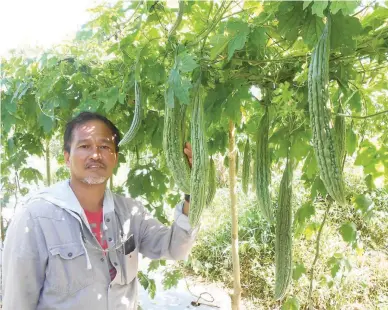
95, 222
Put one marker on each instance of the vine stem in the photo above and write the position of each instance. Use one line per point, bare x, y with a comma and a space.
310, 307
362, 117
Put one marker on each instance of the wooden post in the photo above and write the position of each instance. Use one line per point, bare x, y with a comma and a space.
236, 298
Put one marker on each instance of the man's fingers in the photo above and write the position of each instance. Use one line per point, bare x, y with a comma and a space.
188, 145
188, 152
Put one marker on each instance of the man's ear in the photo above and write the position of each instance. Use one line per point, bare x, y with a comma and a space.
117, 159
66, 155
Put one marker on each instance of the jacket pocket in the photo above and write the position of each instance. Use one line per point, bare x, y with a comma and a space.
131, 265
67, 268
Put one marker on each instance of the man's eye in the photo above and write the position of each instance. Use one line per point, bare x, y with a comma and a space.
104, 147
84, 146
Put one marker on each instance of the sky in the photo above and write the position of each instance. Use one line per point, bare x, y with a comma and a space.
29, 23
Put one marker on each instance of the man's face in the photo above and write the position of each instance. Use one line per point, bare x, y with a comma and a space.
92, 156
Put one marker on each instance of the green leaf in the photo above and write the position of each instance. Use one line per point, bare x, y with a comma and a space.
180, 86
377, 17
31, 175
237, 43
155, 72
318, 187
348, 232
62, 173
369, 182
219, 43
310, 230
335, 267
258, 38
343, 30
312, 30
318, 7
310, 167
182, 92
301, 145
347, 7
355, 102
8, 120
363, 203
155, 264
298, 271
366, 154
186, 62
306, 3
171, 279
46, 122
108, 97
351, 142
292, 303
304, 213
84, 34
290, 17
147, 283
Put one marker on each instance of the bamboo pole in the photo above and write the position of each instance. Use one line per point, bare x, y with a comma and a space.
236, 298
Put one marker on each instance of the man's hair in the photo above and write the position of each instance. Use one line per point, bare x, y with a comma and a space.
83, 118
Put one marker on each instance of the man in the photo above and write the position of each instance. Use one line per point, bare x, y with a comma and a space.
75, 245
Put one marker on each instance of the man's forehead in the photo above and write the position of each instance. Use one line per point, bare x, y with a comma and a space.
93, 130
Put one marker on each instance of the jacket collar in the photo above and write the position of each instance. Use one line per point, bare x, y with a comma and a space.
61, 195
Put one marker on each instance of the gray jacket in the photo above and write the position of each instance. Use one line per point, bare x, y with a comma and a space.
51, 260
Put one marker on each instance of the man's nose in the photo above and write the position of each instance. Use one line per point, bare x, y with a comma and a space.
96, 152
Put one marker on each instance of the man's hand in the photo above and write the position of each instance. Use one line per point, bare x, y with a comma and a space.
186, 208
187, 150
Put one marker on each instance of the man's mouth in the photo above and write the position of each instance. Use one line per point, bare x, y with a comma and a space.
95, 166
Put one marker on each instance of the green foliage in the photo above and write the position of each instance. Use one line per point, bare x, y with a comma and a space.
348, 232
171, 279
291, 303
265, 45
147, 283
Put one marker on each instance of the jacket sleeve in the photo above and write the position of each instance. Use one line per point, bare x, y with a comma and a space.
24, 263
159, 241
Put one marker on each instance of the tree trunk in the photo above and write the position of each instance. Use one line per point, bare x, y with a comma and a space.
236, 298
48, 167
111, 182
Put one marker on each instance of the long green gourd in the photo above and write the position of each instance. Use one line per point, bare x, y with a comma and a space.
173, 146
199, 170
323, 140
246, 167
283, 239
263, 173
137, 118
212, 182
340, 136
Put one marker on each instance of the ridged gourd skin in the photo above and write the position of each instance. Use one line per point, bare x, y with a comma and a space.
246, 167
178, 19
263, 173
323, 140
212, 182
340, 136
283, 239
137, 118
199, 170
173, 146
